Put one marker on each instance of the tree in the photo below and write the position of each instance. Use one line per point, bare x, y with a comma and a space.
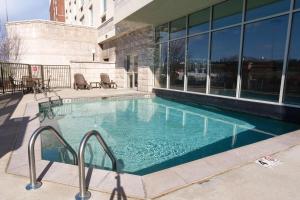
10, 44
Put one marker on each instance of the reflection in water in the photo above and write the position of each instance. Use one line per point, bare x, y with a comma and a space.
147, 135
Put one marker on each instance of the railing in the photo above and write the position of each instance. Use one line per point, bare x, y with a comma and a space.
34, 184
59, 75
84, 193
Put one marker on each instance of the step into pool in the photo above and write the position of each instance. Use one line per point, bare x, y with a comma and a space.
151, 134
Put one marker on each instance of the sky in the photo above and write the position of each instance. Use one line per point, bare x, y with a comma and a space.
24, 10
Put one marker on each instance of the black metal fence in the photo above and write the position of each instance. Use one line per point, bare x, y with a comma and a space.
59, 75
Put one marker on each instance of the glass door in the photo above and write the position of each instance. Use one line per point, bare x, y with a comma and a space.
132, 71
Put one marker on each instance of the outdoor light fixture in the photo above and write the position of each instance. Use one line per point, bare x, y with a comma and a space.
93, 52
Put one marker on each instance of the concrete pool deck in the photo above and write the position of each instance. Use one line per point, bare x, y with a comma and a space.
214, 172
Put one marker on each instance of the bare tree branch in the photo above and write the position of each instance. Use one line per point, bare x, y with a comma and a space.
10, 44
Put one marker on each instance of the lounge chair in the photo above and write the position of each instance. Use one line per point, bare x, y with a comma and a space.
106, 82
15, 84
80, 82
46, 86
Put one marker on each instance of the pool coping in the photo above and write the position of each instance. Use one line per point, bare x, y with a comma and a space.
151, 185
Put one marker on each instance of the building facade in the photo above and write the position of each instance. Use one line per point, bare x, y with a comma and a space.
240, 50
57, 10
88, 12
247, 50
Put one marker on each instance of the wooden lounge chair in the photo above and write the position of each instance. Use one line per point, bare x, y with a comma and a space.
106, 82
80, 82
46, 86
15, 84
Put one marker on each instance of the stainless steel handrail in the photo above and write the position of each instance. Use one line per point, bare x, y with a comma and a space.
34, 184
84, 193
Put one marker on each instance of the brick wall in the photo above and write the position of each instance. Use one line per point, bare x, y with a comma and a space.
57, 10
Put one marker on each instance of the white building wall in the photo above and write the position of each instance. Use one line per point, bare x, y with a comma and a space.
45, 42
81, 8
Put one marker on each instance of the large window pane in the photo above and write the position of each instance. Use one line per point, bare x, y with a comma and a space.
161, 58
262, 8
178, 28
227, 13
264, 45
292, 90
162, 33
297, 4
224, 61
199, 21
197, 63
177, 61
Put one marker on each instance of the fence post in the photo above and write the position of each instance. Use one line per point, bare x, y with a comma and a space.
70, 75
29, 71
42, 75
2, 79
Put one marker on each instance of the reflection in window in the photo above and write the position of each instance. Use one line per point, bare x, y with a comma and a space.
197, 63
162, 33
178, 28
177, 61
292, 90
227, 13
161, 56
264, 45
224, 61
262, 8
297, 4
199, 21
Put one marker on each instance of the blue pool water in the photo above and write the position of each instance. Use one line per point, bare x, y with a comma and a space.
151, 134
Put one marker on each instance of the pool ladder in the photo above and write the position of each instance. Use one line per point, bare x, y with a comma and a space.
77, 160
84, 193
34, 184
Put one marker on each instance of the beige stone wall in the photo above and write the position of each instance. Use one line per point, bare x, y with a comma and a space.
121, 77
52, 43
92, 70
145, 80
45, 42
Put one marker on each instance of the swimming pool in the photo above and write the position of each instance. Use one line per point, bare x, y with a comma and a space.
150, 134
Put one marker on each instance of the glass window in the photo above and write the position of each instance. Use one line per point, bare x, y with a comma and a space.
178, 28
227, 13
292, 88
264, 45
262, 8
91, 16
161, 58
162, 33
224, 61
197, 63
177, 62
103, 6
297, 4
199, 21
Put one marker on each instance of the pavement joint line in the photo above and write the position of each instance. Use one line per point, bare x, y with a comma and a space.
221, 173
